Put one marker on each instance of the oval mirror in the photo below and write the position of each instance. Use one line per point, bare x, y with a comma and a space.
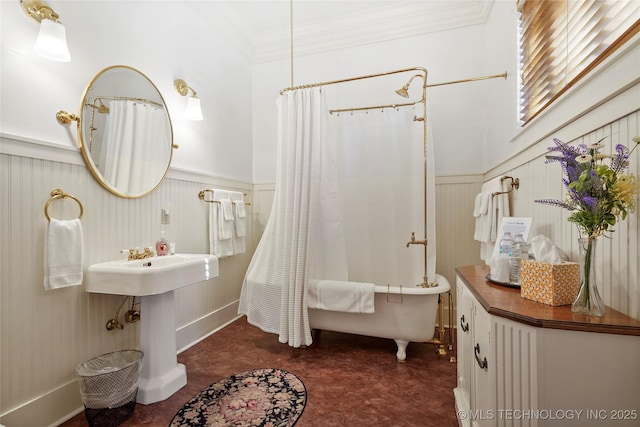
125, 132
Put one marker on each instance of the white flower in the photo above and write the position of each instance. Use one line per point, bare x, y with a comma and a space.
596, 146
585, 158
636, 139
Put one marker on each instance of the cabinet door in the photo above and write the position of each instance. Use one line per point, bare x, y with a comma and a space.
465, 346
483, 396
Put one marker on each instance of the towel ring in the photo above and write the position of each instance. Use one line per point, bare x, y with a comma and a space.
59, 194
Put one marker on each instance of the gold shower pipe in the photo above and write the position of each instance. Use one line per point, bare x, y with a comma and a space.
378, 107
124, 98
472, 79
396, 105
368, 76
331, 82
408, 104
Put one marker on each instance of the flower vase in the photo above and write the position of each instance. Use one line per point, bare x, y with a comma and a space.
588, 300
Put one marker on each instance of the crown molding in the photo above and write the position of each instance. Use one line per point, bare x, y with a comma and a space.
392, 21
377, 25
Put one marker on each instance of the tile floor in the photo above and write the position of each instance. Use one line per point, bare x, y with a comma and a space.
351, 380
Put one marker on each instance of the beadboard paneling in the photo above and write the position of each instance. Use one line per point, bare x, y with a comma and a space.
46, 334
618, 257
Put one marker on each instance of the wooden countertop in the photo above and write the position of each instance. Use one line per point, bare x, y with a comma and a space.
507, 302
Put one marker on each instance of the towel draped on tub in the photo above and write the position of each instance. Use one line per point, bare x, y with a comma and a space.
335, 295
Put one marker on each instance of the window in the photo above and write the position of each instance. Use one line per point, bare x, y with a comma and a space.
562, 40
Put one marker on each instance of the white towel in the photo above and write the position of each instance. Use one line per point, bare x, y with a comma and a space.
241, 212
484, 202
227, 209
239, 245
477, 213
225, 219
63, 254
482, 231
241, 229
348, 297
497, 207
220, 230
477, 204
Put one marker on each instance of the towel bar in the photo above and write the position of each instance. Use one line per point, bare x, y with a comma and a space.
515, 184
201, 196
59, 194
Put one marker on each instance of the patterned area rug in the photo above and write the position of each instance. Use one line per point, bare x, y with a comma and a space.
262, 397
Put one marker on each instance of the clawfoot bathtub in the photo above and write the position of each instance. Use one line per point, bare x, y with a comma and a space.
403, 314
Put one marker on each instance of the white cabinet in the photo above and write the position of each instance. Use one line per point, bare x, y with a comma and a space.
475, 394
522, 363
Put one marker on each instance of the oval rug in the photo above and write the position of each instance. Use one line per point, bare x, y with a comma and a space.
262, 397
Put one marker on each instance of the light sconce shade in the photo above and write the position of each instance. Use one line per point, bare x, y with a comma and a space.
193, 110
52, 41
52, 38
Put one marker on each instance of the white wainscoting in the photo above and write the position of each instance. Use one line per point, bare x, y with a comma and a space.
618, 257
46, 334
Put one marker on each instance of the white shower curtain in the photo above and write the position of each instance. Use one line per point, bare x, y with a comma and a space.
381, 172
341, 211
302, 239
128, 164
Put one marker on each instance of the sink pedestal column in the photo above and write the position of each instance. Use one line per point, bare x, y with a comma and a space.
161, 375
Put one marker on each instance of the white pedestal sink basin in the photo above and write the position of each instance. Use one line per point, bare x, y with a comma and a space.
154, 280
150, 276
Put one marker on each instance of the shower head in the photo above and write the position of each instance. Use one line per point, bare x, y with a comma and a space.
102, 108
404, 90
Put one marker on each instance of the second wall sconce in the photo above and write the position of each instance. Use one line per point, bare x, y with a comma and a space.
193, 111
52, 38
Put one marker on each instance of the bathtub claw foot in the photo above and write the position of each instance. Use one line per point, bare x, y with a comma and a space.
401, 355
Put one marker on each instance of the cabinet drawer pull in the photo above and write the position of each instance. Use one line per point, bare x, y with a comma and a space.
482, 363
463, 325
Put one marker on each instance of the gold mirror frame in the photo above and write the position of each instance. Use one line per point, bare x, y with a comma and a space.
93, 105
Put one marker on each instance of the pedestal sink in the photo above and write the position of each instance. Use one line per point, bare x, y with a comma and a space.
154, 281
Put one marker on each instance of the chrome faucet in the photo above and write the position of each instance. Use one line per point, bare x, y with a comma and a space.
413, 240
135, 254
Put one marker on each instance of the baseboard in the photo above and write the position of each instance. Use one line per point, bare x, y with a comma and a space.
63, 403
191, 334
50, 409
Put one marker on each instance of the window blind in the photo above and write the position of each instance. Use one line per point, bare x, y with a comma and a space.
562, 40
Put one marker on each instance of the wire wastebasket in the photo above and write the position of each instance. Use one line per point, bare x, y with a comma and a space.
109, 385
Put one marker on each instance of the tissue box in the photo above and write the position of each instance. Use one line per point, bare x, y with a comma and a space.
549, 283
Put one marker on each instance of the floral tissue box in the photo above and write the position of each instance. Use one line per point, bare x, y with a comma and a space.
549, 283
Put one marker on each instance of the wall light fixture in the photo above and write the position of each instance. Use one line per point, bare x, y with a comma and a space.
52, 38
193, 110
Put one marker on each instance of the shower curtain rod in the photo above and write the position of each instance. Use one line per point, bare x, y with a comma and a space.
397, 105
124, 98
408, 104
369, 76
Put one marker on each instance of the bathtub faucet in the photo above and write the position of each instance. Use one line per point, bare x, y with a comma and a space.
413, 240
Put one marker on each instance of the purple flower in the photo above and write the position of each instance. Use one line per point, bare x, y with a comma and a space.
591, 185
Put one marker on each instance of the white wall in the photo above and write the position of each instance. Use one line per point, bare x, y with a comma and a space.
45, 334
235, 147
467, 119
166, 41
